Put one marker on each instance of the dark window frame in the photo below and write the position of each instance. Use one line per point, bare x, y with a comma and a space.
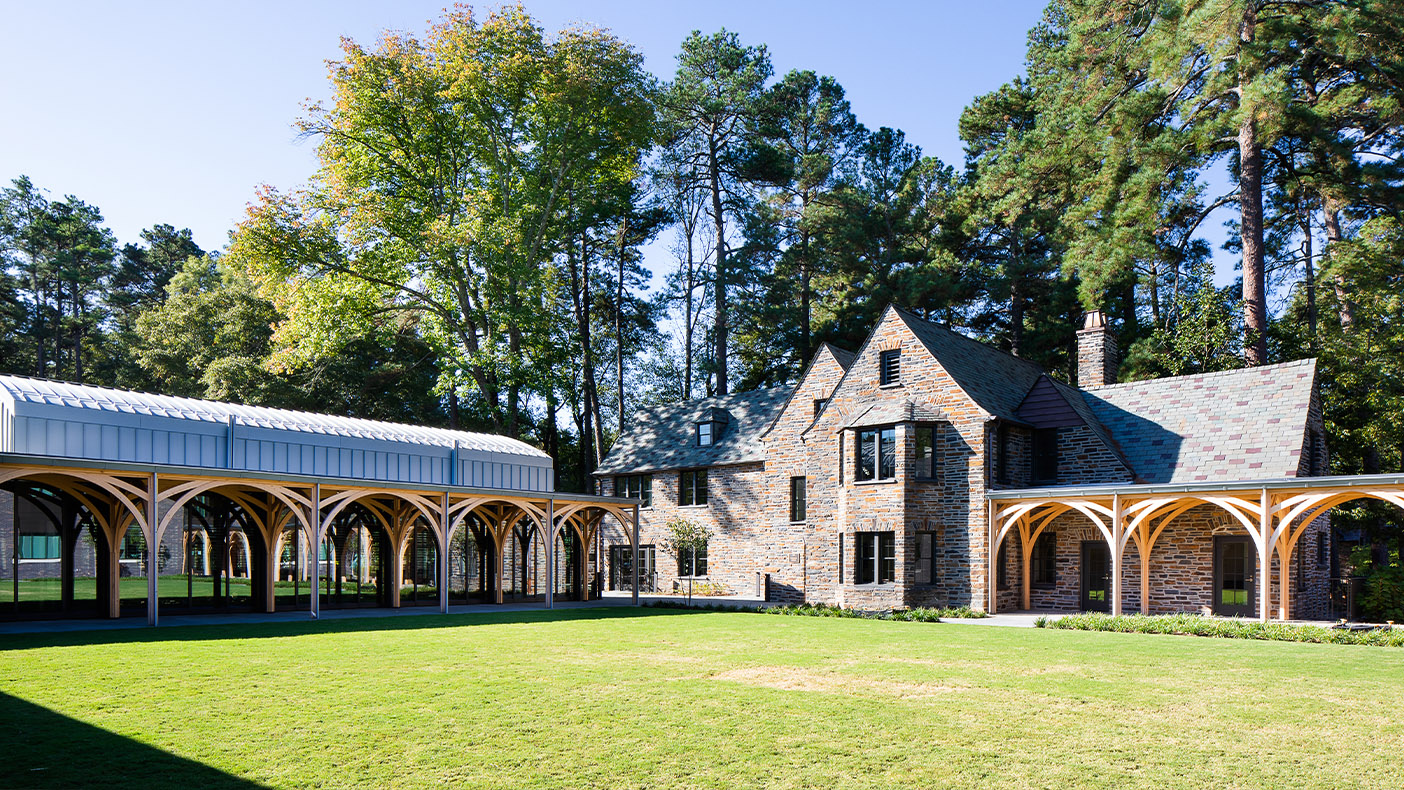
710, 433
819, 404
1043, 561
799, 499
689, 488
638, 487
874, 558
1044, 455
930, 467
925, 558
51, 543
1002, 442
883, 442
890, 367
690, 561
1002, 567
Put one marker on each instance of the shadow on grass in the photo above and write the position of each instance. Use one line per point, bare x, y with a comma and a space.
45, 749
239, 630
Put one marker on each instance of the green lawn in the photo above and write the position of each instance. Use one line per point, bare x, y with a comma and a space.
659, 698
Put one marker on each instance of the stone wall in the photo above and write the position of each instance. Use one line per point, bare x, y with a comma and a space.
742, 544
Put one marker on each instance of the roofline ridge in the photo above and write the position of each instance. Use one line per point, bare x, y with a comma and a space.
969, 339
1211, 374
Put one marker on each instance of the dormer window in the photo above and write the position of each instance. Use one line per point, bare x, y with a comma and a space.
890, 367
710, 426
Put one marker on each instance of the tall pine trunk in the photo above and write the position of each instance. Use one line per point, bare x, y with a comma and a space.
721, 324
1332, 221
619, 324
1250, 187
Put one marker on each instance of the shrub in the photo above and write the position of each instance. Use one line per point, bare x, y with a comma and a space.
1383, 595
1222, 628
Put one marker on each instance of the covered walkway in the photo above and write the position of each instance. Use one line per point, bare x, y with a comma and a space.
122, 502
1273, 516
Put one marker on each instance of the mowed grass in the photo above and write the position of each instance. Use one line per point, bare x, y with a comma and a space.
656, 698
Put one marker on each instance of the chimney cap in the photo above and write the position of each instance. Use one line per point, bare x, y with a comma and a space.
1094, 319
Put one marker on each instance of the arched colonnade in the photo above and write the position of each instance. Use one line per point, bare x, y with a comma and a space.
278, 517
1274, 515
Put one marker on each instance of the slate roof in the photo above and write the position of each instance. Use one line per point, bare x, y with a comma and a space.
996, 380
1236, 425
845, 358
889, 412
665, 436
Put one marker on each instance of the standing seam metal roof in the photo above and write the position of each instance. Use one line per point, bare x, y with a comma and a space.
88, 397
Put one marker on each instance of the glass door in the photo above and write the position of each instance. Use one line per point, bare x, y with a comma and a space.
1233, 576
1096, 576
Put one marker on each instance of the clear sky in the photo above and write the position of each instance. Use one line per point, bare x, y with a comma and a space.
175, 111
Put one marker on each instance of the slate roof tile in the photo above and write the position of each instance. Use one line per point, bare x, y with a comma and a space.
665, 436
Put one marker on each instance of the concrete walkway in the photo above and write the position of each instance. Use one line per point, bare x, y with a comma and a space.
1004, 620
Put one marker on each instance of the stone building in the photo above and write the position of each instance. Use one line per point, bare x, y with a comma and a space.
930, 469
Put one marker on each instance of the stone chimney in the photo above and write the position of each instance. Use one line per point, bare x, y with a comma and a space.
1097, 355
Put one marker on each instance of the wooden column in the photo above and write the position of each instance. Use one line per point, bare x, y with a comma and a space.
990, 570
444, 555
1116, 551
550, 554
634, 542
499, 539
314, 553
1026, 549
153, 522
1264, 557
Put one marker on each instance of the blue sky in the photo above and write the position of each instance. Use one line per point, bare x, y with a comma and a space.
174, 112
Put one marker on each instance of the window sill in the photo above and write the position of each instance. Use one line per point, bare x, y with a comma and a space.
882, 482
36, 560
702, 506
875, 586
892, 386
800, 522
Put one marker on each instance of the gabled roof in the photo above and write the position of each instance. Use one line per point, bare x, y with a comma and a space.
1235, 425
844, 360
843, 357
665, 436
996, 380
1053, 404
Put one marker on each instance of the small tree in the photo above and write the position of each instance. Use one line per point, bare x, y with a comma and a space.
688, 536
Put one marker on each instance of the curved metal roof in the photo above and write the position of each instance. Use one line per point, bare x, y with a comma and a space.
55, 418
83, 396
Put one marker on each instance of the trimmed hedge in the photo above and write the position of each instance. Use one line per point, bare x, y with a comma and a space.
1222, 628
919, 615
